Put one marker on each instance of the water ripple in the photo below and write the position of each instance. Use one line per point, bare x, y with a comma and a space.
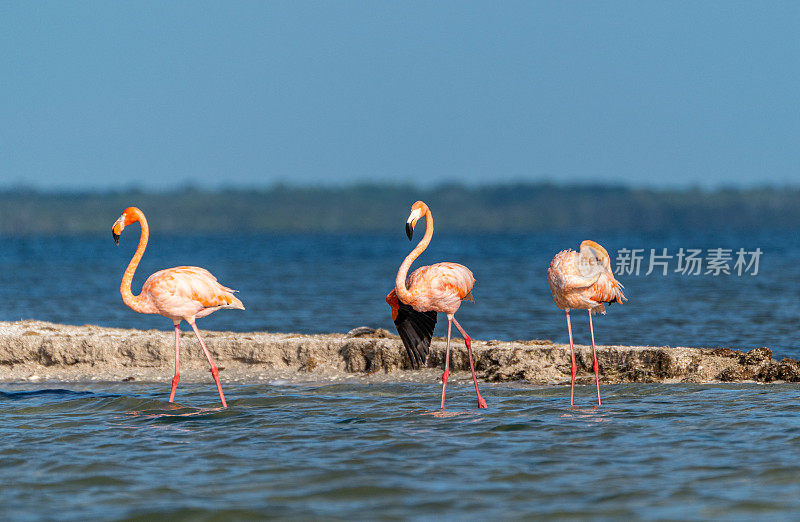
120, 451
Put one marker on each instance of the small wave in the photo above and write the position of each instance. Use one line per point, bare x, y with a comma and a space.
53, 392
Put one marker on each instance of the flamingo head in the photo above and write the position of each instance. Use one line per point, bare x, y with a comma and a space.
594, 251
418, 210
130, 215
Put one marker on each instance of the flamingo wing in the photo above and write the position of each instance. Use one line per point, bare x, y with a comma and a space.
186, 291
568, 271
578, 281
415, 328
608, 290
436, 288
443, 278
440, 287
416, 331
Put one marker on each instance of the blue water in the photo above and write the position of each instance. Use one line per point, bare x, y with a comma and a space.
348, 451
333, 283
353, 450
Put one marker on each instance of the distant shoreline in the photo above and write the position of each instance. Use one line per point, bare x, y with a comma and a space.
377, 208
36, 351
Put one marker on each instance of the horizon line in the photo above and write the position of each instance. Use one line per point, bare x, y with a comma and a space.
24, 188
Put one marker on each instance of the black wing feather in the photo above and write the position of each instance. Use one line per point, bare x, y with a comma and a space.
416, 330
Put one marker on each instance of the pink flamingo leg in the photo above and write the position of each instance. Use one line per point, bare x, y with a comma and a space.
596, 367
214, 370
446, 373
468, 342
574, 366
177, 378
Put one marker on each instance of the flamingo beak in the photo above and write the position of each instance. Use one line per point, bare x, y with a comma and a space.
412, 222
116, 230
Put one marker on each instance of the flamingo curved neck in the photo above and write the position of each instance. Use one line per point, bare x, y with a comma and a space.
400, 281
136, 302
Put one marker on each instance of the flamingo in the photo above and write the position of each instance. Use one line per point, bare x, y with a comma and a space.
183, 293
417, 298
584, 281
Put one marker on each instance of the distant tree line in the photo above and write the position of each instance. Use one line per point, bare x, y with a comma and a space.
512, 208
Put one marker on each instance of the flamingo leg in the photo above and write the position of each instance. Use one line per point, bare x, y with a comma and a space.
574, 366
594, 355
177, 378
446, 373
214, 370
468, 342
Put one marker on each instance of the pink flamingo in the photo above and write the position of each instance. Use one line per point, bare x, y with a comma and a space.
181, 293
584, 280
417, 298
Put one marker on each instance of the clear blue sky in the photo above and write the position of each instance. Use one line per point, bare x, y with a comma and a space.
113, 94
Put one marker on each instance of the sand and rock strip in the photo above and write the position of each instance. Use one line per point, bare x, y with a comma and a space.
41, 351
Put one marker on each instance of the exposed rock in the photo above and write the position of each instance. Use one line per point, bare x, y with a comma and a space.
366, 331
755, 356
787, 370
32, 350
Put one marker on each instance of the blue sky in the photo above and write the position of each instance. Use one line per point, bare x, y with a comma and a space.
99, 95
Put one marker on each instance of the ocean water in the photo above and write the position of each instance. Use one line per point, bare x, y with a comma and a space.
354, 451
361, 451
333, 283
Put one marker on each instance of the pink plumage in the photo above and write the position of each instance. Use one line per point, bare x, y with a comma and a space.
188, 291
418, 297
584, 280
440, 287
573, 288
183, 293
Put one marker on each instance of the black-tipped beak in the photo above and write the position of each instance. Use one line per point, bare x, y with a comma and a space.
116, 237
409, 231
